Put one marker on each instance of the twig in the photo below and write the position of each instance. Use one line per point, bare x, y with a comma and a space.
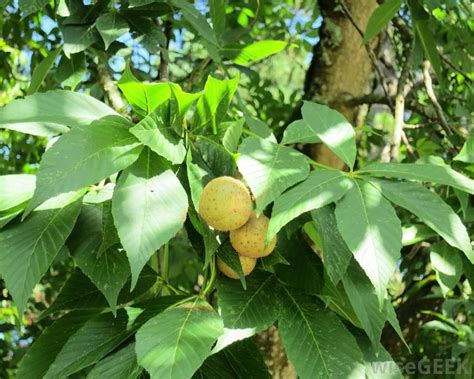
455, 68
164, 57
108, 84
371, 54
400, 95
432, 96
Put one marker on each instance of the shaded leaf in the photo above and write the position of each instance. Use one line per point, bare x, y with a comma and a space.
111, 26
254, 307
336, 255
380, 18
29, 248
175, 343
119, 365
41, 70
316, 341
92, 341
196, 19
47, 346
241, 360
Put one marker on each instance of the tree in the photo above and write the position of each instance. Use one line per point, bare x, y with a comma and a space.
361, 161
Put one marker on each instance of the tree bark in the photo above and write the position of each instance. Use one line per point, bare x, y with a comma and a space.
341, 68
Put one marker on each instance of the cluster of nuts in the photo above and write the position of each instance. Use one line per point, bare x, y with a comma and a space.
226, 205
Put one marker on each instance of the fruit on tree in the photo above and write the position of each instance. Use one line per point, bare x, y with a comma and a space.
248, 264
249, 239
225, 203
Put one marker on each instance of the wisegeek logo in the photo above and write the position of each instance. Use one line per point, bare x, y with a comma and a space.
424, 367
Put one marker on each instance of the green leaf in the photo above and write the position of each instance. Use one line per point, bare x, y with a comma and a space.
319, 189
84, 156
175, 343
305, 269
378, 362
415, 233
425, 36
232, 135
256, 51
31, 6
78, 38
260, 128
430, 209
92, 341
299, 131
240, 360
7, 216
16, 189
332, 129
380, 18
156, 132
269, 169
421, 172
79, 293
111, 26
71, 71
336, 255
47, 346
206, 160
316, 341
40, 115
372, 231
144, 96
42, 70
467, 152
149, 207
29, 248
92, 246
108, 271
197, 20
254, 307
212, 107
231, 258
119, 365
447, 264
363, 298
218, 16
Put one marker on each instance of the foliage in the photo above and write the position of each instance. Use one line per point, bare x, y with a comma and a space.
104, 228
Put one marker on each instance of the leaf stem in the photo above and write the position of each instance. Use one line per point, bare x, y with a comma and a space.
165, 263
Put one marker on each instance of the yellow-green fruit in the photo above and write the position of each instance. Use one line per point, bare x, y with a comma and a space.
248, 264
225, 203
249, 240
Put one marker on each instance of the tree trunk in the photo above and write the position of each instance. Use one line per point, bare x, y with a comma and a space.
340, 69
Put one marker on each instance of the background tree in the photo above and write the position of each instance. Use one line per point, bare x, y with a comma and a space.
400, 72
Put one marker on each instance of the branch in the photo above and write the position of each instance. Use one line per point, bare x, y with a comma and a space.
164, 57
398, 133
432, 96
371, 54
108, 84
